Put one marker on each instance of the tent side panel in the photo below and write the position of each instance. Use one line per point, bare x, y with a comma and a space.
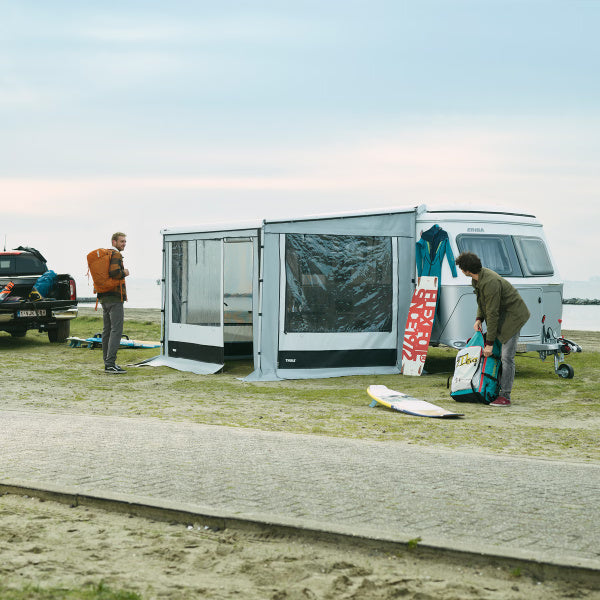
406, 284
256, 297
193, 301
333, 357
332, 349
266, 340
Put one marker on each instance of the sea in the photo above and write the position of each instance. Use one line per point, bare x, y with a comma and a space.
582, 317
146, 293
141, 293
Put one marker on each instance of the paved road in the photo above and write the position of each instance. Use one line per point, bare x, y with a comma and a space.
522, 507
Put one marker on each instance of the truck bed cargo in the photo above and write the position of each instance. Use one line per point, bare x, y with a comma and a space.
20, 269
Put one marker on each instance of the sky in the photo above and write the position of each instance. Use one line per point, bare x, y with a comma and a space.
135, 115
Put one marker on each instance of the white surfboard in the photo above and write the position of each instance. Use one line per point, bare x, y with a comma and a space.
406, 404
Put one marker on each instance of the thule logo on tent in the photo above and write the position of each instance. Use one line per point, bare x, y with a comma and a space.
290, 360
475, 229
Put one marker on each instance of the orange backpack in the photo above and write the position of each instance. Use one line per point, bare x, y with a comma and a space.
98, 266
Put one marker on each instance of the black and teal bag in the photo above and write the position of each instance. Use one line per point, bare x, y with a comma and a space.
477, 377
45, 283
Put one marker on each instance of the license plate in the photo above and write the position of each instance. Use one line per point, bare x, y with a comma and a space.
32, 313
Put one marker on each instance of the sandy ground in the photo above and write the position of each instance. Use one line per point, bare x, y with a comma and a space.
53, 545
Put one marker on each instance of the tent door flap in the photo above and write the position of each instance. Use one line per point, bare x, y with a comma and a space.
195, 310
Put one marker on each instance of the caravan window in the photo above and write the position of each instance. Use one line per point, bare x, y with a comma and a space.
510, 256
338, 283
497, 252
533, 256
196, 282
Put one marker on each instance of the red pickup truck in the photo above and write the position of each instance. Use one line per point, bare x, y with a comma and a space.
18, 313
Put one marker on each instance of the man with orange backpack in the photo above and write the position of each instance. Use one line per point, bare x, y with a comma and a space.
113, 313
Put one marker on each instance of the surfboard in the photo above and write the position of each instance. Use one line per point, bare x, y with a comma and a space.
96, 342
419, 324
5, 293
406, 404
77, 342
138, 344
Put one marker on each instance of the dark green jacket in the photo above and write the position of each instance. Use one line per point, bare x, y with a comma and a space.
500, 305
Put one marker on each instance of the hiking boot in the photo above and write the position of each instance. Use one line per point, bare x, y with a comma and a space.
114, 370
500, 401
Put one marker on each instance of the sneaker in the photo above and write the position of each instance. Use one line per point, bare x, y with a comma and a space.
114, 370
500, 401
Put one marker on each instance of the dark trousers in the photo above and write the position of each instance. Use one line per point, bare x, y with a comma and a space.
113, 315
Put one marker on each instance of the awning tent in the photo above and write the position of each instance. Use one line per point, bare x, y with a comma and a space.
313, 297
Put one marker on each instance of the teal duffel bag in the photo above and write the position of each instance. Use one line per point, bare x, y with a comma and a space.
476, 377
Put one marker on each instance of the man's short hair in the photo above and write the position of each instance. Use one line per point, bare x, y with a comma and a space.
117, 235
468, 261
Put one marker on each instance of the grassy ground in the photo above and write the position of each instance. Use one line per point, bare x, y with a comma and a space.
550, 417
91, 592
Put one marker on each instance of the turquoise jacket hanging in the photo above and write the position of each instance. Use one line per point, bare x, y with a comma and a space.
433, 246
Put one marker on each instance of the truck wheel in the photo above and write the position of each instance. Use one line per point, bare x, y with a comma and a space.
565, 371
19, 332
60, 334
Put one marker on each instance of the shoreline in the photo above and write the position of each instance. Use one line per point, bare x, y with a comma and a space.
581, 302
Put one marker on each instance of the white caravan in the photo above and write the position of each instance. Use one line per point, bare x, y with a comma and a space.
513, 245
329, 295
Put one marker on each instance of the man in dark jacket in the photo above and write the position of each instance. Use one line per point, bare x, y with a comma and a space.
113, 313
500, 305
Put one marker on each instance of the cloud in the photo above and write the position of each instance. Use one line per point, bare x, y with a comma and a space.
474, 161
537, 167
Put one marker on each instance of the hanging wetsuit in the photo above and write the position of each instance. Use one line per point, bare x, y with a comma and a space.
433, 246
431, 249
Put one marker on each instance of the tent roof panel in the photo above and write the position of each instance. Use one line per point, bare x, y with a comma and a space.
228, 226
346, 215
224, 227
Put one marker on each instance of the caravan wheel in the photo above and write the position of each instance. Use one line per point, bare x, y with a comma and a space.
565, 371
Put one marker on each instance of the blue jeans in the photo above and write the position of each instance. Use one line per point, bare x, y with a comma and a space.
113, 315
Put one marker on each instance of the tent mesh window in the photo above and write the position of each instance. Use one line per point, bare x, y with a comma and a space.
338, 283
196, 282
